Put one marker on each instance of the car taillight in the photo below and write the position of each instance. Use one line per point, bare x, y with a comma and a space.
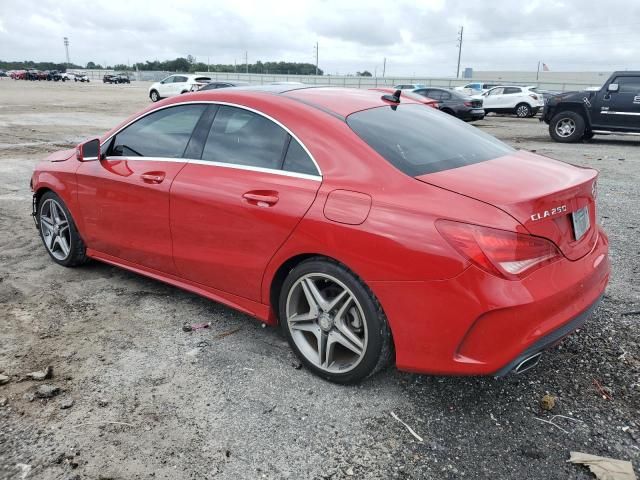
506, 254
468, 104
535, 97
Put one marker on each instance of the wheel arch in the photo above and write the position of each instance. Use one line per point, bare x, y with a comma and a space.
578, 108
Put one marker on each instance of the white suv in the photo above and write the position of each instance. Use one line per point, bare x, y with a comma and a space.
522, 101
175, 85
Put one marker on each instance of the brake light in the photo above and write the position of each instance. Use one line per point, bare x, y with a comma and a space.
535, 97
502, 253
468, 104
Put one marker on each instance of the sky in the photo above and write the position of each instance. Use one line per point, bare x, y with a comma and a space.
416, 37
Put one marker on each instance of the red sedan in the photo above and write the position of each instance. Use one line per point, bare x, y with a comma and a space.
367, 227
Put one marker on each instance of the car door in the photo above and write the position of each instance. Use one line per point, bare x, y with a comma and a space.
232, 209
493, 99
512, 96
621, 109
165, 86
124, 196
179, 85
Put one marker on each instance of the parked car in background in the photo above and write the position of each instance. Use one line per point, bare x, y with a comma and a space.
222, 84
116, 78
81, 77
613, 108
455, 103
123, 77
521, 101
32, 74
175, 85
109, 78
476, 88
409, 86
546, 94
3, 73
54, 75
397, 233
430, 102
18, 74
67, 76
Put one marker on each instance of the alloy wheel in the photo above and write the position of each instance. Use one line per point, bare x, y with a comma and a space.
565, 127
54, 226
523, 111
326, 322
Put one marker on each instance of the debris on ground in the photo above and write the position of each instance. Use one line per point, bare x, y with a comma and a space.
604, 392
3, 401
228, 332
190, 327
47, 391
604, 468
548, 402
66, 403
4, 379
45, 374
411, 431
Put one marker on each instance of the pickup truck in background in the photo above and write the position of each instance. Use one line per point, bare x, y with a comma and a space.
614, 108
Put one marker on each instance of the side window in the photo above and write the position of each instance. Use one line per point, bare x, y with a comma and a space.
435, 94
297, 160
169, 80
496, 91
164, 133
179, 79
512, 90
628, 84
242, 137
445, 96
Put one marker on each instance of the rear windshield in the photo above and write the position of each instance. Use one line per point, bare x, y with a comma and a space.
418, 139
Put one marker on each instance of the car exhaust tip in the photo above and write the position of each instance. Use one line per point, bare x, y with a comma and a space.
528, 363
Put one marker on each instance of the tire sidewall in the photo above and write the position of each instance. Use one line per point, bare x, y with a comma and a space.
156, 95
76, 247
377, 330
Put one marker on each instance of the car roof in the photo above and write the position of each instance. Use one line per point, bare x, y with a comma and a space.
336, 101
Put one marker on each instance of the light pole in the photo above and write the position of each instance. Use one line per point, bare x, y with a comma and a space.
66, 47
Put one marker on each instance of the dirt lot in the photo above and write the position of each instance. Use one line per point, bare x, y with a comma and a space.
232, 402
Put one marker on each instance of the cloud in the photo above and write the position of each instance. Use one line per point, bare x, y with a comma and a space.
416, 37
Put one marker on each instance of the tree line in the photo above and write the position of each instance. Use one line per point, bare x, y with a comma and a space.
181, 64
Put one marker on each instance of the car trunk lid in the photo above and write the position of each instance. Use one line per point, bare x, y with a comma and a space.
551, 199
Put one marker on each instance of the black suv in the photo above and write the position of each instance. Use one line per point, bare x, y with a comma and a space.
614, 108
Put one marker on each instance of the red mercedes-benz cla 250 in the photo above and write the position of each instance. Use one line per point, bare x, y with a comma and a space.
368, 227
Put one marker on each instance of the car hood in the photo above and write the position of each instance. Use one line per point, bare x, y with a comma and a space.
539, 192
61, 155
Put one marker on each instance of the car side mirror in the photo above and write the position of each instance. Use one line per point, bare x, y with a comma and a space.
88, 151
613, 87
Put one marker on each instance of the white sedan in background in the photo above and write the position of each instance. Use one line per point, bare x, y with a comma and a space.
523, 101
176, 85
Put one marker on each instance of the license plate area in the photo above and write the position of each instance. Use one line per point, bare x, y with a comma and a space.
580, 220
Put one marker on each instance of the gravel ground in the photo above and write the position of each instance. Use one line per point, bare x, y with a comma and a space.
232, 402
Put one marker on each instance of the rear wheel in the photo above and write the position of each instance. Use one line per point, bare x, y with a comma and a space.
333, 322
567, 127
154, 96
59, 233
523, 110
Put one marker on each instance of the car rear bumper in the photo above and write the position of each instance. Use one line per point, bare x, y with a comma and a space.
473, 114
479, 324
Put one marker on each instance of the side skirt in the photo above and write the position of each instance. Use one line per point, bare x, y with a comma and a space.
258, 310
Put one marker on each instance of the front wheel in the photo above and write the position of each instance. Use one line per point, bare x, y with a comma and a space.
523, 110
567, 127
154, 96
59, 233
333, 322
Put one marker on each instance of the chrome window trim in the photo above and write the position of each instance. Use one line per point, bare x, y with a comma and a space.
273, 171
229, 104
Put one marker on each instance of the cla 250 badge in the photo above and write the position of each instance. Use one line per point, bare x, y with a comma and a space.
549, 213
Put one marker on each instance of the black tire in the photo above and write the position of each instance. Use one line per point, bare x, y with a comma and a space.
449, 111
378, 352
154, 95
575, 124
523, 110
77, 250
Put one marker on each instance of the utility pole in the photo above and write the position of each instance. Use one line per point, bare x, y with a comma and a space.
66, 47
384, 66
208, 65
246, 61
459, 49
538, 71
317, 58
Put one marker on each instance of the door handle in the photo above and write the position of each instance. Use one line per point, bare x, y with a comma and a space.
261, 198
153, 177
